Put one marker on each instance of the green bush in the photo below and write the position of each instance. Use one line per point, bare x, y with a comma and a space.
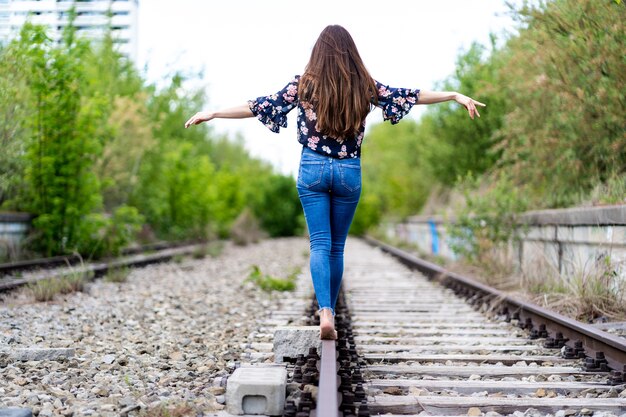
458, 144
368, 214
107, 236
278, 207
396, 178
566, 74
489, 218
94, 152
553, 125
61, 185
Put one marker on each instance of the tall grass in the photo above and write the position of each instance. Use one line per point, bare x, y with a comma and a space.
594, 291
74, 281
117, 275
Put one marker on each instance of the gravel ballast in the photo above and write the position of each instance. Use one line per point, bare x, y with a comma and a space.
167, 336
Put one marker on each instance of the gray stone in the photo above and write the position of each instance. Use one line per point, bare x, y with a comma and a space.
256, 390
4, 358
291, 341
108, 359
45, 412
96, 327
15, 412
39, 354
126, 410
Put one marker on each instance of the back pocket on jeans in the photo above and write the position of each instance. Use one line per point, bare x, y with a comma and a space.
310, 173
350, 176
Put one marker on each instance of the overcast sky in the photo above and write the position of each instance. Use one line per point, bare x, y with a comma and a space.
252, 48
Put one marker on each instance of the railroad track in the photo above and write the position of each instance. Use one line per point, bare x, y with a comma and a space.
13, 276
409, 345
12, 268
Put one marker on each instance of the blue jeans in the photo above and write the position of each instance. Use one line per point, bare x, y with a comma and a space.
329, 191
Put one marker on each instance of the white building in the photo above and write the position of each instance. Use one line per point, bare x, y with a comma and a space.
91, 19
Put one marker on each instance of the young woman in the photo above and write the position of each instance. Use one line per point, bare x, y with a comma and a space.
333, 96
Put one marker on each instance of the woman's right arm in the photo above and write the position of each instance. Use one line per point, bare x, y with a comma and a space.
238, 112
270, 110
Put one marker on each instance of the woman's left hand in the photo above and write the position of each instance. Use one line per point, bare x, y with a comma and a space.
469, 103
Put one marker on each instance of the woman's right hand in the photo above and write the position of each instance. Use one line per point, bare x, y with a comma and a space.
196, 119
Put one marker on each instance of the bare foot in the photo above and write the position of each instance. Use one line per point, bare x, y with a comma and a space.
327, 325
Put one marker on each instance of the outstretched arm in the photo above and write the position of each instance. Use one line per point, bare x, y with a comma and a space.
238, 112
431, 97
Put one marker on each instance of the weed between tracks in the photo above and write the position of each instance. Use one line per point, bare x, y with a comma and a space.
212, 249
74, 281
269, 283
164, 410
117, 275
46, 289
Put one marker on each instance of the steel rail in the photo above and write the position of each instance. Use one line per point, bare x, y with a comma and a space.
66, 260
327, 401
7, 268
101, 268
594, 341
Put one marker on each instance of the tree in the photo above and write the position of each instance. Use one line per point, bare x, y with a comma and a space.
62, 188
567, 75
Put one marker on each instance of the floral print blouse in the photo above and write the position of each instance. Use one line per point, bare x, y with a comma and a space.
272, 112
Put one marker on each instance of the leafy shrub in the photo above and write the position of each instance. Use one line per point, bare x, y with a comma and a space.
566, 70
278, 207
93, 151
368, 214
61, 185
107, 236
488, 220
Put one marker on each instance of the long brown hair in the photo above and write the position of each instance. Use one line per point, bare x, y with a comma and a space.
337, 83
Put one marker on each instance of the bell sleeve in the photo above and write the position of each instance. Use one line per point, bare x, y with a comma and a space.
272, 110
396, 102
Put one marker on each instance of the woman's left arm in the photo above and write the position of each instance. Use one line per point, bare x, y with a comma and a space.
238, 112
431, 97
